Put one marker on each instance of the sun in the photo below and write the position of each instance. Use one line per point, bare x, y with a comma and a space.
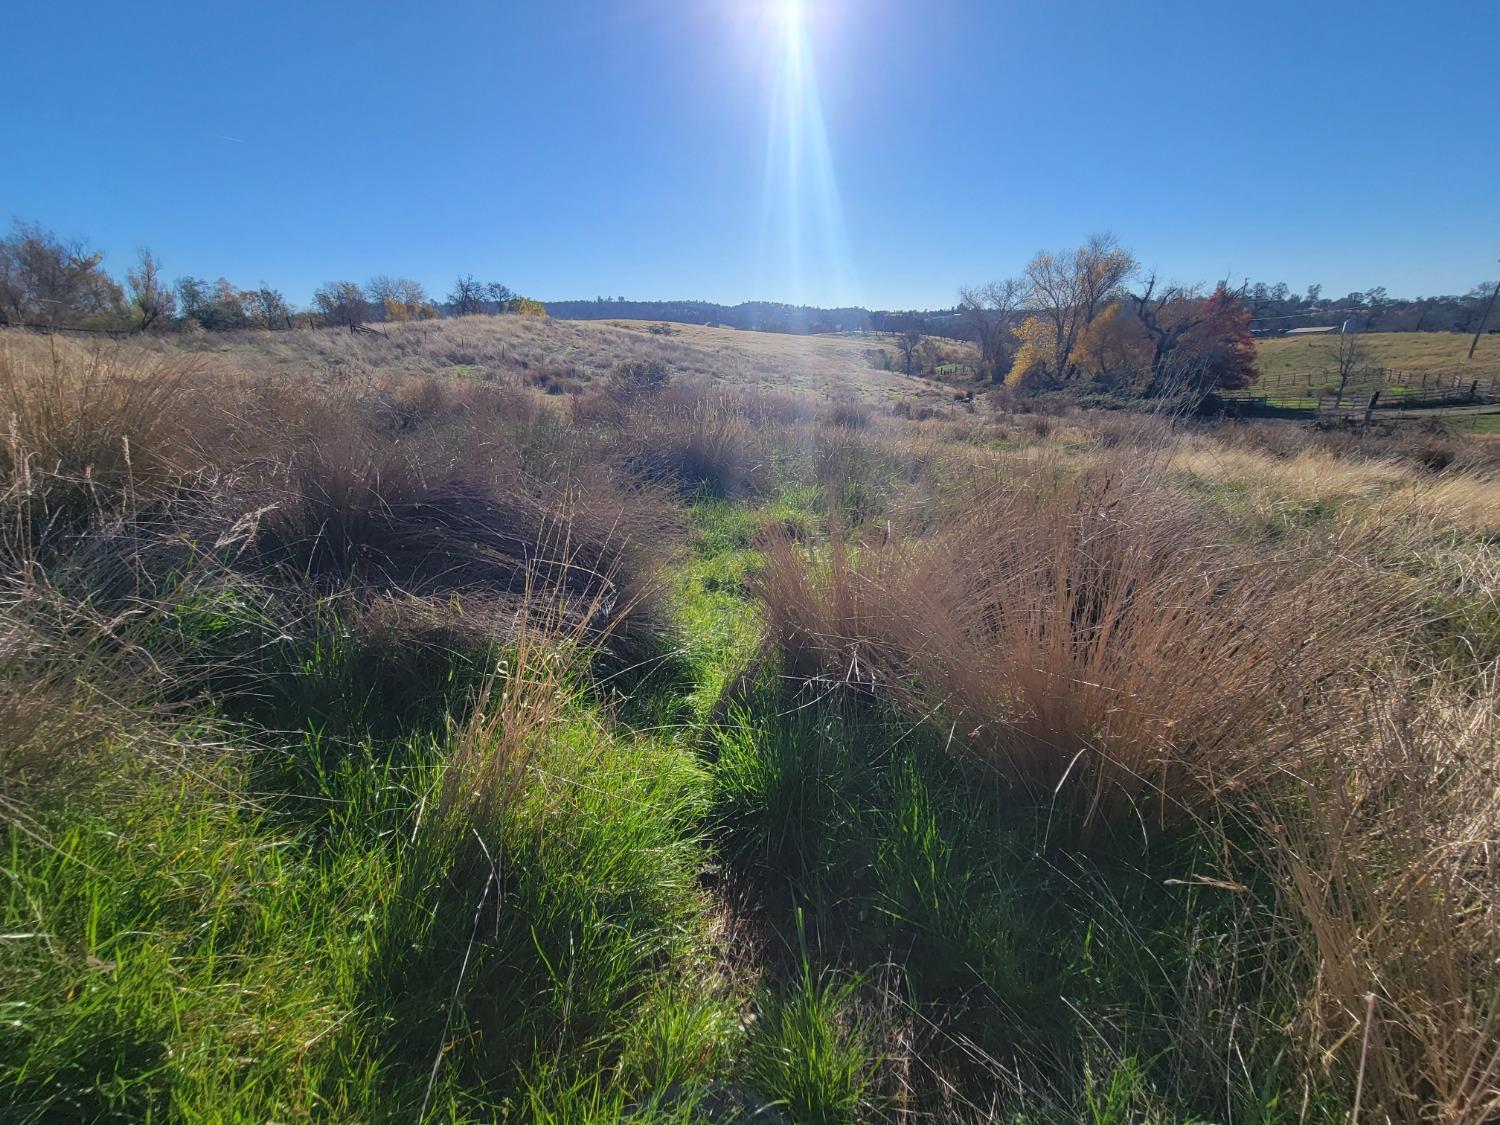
790, 16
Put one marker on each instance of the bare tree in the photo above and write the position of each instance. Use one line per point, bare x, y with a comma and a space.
908, 340
384, 294
1067, 290
467, 296
44, 280
1346, 355
1484, 318
501, 295
396, 298
414, 300
412, 294
986, 313
342, 303
1167, 315
151, 299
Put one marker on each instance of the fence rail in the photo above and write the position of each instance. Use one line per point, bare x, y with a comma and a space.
73, 329
1397, 390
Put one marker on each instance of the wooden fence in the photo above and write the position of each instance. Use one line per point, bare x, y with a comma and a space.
1397, 390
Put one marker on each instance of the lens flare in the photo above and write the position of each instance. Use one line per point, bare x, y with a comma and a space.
804, 245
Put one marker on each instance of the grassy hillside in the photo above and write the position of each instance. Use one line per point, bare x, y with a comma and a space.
1436, 352
557, 356
565, 723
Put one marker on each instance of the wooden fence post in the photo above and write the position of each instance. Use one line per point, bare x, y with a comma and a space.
1370, 410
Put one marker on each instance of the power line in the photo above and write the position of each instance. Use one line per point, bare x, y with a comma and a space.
1310, 312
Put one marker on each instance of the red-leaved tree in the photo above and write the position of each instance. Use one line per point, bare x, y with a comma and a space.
1197, 343
1219, 350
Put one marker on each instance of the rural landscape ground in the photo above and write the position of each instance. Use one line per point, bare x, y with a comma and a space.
504, 718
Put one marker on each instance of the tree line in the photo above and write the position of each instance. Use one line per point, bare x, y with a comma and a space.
1275, 308
1089, 317
1069, 315
1092, 318
51, 282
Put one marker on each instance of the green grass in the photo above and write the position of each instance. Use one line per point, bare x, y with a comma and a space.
811, 1052
186, 959
1473, 423
737, 900
868, 846
176, 954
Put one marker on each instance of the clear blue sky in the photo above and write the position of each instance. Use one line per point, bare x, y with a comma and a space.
834, 151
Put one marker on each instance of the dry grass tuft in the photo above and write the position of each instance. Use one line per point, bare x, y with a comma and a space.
80, 690
684, 435
82, 434
1389, 859
1083, 633
1465, 501
519, 706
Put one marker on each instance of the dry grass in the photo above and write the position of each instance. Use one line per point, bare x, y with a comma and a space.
1467, 502
1125, 620
689, 437
90, 698
560, 356
1085, 633
82, 433
1389, 859
1444, 352
1271, 491
1308, 476
519, 706
127, 475
91, 416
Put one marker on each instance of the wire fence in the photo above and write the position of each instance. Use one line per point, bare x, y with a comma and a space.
1397, 390
71, 330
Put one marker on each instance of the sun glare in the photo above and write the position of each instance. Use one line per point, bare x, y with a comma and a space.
789, 14
803, 245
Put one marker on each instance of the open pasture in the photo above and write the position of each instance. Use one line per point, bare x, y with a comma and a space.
573, 723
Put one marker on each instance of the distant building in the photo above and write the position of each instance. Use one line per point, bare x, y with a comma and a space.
1320, 330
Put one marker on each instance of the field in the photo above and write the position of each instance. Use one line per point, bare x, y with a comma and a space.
505, 719
561, 356
1444, 353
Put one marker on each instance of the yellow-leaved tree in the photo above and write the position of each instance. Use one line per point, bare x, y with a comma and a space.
1113, 347
1036, 358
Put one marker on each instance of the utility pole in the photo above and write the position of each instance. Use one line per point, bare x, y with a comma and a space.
1487, 310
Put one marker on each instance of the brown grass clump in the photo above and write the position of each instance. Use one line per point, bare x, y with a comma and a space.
1084, 634
121, 478
845, 410
375, 518
77, 686
412, 405
93, 418
519, 706
684, 435
82, 433
380, 521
